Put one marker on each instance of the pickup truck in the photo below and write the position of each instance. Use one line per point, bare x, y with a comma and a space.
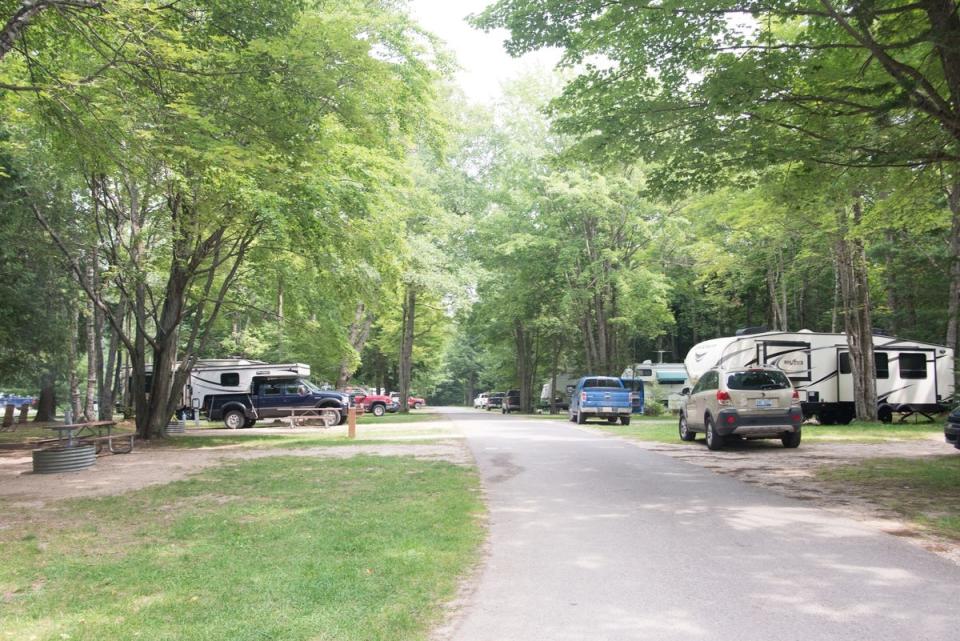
602, 397
272, 398
413, 402
376, 404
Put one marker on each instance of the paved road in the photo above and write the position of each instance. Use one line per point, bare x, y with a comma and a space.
593, 539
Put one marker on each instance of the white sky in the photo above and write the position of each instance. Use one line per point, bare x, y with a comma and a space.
484, 63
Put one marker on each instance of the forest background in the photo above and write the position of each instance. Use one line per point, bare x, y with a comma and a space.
300, 181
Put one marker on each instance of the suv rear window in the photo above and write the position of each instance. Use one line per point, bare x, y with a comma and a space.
758, 380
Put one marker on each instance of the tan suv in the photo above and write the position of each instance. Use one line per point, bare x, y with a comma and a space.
757, 402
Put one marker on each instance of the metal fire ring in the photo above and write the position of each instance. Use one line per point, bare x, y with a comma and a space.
176, 427
64, 459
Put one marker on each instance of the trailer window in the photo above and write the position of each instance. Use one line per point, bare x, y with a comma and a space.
913, 365
845, 363
882, 362
230, 379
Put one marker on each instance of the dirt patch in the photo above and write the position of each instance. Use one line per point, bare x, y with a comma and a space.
147, 466
793, 473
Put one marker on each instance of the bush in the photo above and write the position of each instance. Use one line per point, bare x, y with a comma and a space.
654, 408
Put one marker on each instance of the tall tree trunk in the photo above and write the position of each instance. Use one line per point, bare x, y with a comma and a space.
406, 346
107, 384
953, 303
280, 324
858, 324
93, 348
554, 366
893, 290
357, 336
76, 409
47, 403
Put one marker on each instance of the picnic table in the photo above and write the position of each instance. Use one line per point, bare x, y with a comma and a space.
95, 433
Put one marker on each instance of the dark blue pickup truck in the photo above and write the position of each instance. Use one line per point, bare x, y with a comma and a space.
274, 398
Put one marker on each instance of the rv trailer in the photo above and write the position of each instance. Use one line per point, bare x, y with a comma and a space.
911, 376
670, 378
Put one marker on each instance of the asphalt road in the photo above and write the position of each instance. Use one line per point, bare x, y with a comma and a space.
594, 539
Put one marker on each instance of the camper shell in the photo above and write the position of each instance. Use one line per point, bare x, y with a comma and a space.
911, 376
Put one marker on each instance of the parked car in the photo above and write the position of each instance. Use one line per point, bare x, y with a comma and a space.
511, 402
480, 402
952, 429
601, 397
494, 401
272, 398
376, 404
757, 402
412, 401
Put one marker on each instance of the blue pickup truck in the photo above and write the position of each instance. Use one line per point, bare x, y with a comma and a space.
274, 398
601, 397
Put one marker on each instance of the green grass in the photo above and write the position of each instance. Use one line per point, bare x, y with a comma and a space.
285, 548
412, 417
233, 439
664, 430
922, 490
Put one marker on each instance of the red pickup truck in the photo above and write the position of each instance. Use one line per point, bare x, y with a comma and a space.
414, 402
376, 404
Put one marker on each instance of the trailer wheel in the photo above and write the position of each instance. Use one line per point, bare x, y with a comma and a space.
234, 419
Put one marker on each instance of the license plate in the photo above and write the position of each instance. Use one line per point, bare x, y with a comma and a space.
606, 410
764, 402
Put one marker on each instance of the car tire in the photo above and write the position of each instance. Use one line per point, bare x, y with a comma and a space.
417, 406
686, 434
378, 409
581, 419
791, 439
570, 416
234, 419
714, 440
624, 420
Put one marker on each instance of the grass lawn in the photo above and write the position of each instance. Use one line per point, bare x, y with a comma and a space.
664, 430
922, 490
285, 548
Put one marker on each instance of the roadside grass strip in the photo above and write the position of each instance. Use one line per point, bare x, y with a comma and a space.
665, 430
924, 491
286, 548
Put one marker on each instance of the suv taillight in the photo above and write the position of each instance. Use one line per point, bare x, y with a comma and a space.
723, 397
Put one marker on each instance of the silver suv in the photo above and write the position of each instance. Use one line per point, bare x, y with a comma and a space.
757, 402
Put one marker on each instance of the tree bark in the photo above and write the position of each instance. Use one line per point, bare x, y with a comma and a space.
76, 409
858, 324
47, 403
953, 303
358, 334
406, 346
93, 348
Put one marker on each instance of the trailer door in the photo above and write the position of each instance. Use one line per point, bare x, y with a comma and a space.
844, 376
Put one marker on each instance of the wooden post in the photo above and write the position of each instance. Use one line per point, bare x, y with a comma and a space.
8, 415
24, 411
352, 422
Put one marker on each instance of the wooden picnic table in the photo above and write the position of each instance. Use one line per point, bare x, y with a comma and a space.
95, 432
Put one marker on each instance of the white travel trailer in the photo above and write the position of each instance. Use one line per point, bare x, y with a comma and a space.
911, 376
670, 378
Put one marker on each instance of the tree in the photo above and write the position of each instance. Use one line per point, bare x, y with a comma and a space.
183, 164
